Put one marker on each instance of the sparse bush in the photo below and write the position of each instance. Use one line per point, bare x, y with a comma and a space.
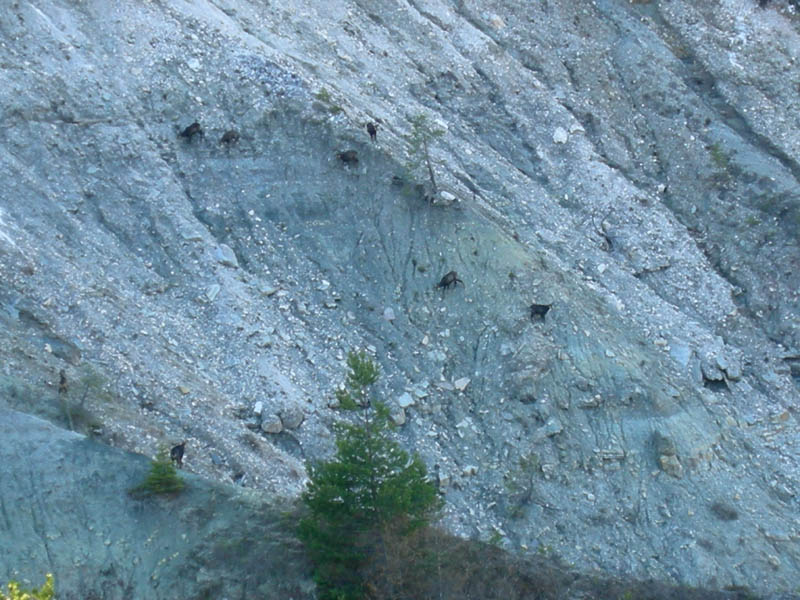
15, 591
720, 158
422, 134
324, 96
162, 479
72, 400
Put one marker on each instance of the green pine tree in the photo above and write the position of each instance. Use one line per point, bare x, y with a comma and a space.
422, 134
369, 495
162, 479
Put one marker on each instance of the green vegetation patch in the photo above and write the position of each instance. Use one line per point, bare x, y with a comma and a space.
163, 478
367, 500
16, 592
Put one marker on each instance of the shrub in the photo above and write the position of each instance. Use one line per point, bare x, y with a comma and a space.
15, 592
422, 134
162, 479
324, 96
721, 159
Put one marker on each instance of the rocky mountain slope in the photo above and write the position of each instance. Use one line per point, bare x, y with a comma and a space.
633, 165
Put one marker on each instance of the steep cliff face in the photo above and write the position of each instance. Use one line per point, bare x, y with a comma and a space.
633, 165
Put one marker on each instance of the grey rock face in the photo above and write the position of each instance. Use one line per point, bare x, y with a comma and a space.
67, 511
631, 165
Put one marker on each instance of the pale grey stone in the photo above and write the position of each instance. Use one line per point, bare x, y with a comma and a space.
213, 291
447, 197
398, 415
681, 353
671, 465
292, 417
405, 400
271, 424
225, 256
461, 383
560, 135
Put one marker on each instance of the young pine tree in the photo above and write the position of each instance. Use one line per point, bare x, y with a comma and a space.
422, 134
162, 479
369, 495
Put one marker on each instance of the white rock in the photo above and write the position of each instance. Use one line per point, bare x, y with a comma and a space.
406, 400
258, 408
560, 135
212, 291
461, 384
447, 197
388, 313
496, 21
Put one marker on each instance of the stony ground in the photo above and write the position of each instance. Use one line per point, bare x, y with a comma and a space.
633, 165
